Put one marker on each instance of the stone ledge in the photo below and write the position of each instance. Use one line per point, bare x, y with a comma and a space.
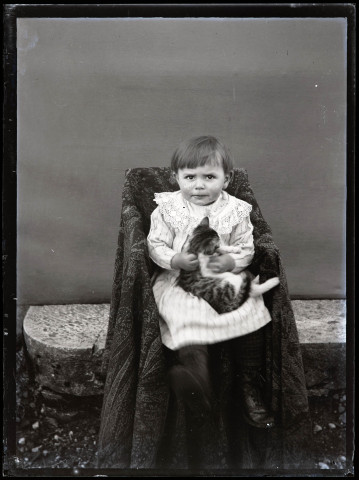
321, 328
320, 321
66, 343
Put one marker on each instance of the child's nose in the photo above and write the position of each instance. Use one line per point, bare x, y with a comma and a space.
199, 183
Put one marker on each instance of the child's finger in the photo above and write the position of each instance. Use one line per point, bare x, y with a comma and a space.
194, 263
213, 261
214, 268
192, 266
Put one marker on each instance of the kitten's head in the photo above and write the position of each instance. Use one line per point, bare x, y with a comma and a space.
204, 239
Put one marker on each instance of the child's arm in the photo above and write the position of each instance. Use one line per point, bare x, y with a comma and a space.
160, 241
239, 254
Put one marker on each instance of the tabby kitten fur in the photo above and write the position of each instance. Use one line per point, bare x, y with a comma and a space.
223, 291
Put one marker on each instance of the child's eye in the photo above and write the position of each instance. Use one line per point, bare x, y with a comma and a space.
210, 177
189, 177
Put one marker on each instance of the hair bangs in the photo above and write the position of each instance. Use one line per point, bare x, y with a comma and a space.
199, 160
200, 151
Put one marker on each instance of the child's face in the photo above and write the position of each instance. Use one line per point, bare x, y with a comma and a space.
202, 185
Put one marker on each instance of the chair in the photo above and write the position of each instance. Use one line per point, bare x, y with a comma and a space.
142, 425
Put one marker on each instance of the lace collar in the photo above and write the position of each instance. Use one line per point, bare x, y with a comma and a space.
226, 212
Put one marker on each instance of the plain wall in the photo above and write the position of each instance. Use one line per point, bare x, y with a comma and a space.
97, 96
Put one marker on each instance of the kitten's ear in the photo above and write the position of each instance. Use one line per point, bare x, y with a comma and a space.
205, 222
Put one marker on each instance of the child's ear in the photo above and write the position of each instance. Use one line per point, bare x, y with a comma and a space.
175, 175
227, 178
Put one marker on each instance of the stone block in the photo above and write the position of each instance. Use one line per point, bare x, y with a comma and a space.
320, 321
65, 344
322, 334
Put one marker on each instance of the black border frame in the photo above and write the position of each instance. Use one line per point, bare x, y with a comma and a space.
227, 10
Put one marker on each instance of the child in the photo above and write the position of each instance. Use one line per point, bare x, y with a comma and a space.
203, 169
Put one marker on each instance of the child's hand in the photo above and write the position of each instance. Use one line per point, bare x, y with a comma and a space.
221, 263
185, 261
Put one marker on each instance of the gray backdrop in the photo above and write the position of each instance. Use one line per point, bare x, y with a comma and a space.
97, 96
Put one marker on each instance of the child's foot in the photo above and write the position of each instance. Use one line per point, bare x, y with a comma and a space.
255, 412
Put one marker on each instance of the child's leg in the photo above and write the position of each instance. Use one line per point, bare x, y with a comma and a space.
249, 356
190, 377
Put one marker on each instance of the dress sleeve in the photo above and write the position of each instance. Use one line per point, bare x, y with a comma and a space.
160, 241
241, 245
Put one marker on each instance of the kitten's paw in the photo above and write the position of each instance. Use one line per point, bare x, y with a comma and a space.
273, 282
259, 289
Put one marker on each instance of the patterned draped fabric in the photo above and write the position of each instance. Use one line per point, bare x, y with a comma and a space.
142, 425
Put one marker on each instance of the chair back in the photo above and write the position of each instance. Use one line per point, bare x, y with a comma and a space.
142, 184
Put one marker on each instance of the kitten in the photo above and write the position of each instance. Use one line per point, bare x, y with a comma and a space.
223, 291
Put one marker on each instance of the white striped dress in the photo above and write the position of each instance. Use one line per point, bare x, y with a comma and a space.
186, 319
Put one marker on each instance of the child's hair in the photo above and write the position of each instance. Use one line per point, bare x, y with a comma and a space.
199, 151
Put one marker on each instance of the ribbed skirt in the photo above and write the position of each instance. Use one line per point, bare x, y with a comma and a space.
189, 320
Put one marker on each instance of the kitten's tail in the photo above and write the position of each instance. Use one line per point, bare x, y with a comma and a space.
258, 289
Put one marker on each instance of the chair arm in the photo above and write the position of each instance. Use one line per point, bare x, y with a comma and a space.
266, 258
